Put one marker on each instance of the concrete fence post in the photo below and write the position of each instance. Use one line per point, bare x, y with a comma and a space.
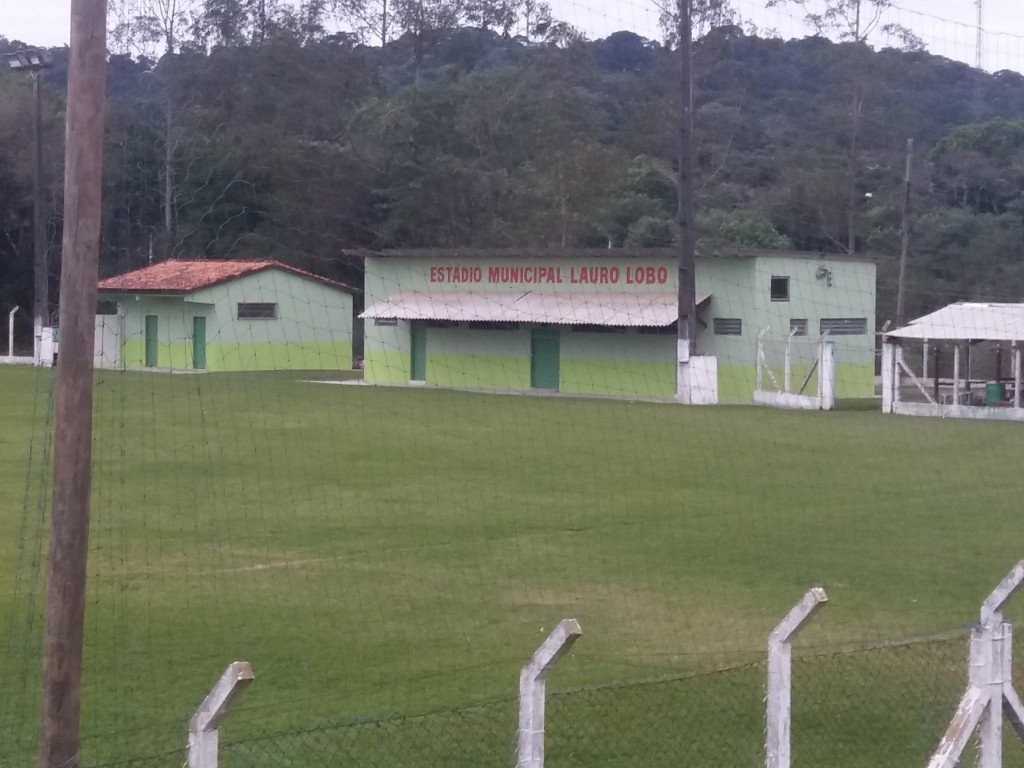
202, 728
780, 645
890, 389
532, 689
10, 333
827, 376
990, 693
787, 376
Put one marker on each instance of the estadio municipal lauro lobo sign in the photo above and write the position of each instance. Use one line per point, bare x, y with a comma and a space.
536, 275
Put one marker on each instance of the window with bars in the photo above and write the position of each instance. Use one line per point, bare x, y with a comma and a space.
493, 325
728, 326
798, 326
592, 328
257, 311
844, 326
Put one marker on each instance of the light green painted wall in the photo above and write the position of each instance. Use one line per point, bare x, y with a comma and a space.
736, 382
386, 367
623, 378
478, 359
604, 363
285, 356
851, 294
174, 329
313, 330
621, 364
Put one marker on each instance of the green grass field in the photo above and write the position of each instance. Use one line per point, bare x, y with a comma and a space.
375, 552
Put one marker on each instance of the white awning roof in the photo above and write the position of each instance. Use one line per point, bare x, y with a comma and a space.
616, 309
967, 321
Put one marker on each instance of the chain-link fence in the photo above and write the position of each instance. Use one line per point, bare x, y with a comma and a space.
863, 708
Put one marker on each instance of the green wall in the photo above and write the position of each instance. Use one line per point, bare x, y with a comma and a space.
630, 363
312, 331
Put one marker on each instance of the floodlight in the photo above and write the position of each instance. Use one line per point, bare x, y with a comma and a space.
34, 60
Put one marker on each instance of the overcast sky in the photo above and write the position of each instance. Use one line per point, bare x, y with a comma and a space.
948, 27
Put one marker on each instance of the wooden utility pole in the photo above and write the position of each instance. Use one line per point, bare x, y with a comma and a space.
904, 236
69, 534
687, 332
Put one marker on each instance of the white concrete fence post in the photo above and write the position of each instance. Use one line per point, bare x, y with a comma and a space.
890, 390
990, 690
202, 728
532, 690
780, 646
827, 376
10, 333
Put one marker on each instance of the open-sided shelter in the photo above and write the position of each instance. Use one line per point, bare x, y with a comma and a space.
230, 315
964, 326
603, 321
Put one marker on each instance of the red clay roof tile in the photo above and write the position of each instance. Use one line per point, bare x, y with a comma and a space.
191, 276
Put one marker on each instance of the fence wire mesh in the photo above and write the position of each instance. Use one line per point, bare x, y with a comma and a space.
880, 707
388, 230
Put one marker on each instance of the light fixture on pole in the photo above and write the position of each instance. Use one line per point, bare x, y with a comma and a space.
35, 61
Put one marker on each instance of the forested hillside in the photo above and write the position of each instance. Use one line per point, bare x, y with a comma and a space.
288, 142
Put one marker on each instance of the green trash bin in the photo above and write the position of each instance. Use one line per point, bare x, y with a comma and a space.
995, 393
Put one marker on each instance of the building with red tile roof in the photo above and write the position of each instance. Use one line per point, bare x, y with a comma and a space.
187, 276
227, 315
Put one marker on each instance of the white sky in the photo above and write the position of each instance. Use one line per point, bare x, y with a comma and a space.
948, 27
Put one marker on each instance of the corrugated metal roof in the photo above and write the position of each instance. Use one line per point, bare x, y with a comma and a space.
966, 321
190, 276
615, 309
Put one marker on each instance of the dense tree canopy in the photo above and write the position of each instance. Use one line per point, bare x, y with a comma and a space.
246, 131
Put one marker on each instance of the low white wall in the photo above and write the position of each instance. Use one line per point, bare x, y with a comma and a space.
958, 411
107, 351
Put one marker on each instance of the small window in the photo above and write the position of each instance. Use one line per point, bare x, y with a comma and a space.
491, 325
379, 321
257, 311
435, 323
844, 326
659, 330
728, 326
780, 288
589, 328
798, 326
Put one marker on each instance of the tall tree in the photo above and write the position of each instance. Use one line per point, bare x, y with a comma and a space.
426, 22
156, 25
854, 22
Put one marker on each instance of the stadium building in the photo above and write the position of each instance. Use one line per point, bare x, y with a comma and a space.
603, 322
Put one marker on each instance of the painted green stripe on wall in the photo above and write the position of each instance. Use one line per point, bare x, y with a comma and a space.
621, 379
594, 377
473, 372
381, 367
309, 356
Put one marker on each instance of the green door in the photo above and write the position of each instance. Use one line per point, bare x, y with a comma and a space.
199, 343
544, 358
151, 326
419, 353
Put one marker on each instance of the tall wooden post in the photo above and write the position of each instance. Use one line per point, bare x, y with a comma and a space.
69, 535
